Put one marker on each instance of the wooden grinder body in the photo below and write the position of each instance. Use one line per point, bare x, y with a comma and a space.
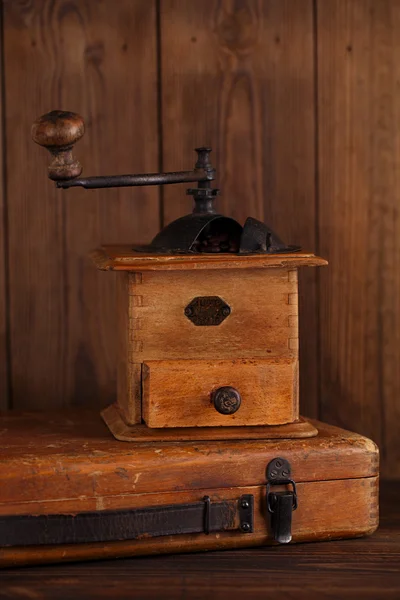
169, 367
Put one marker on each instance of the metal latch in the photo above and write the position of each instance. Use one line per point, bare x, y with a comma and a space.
281, 504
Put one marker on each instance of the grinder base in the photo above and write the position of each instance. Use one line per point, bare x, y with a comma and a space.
141, 433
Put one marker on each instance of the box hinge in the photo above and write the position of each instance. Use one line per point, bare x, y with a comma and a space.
281, 503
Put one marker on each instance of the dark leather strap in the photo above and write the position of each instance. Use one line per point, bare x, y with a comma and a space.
106, 526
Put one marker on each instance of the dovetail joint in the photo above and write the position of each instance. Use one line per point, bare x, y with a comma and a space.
137, 346
137, 300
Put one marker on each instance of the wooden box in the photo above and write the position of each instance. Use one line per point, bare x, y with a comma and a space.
171, 365
70, 491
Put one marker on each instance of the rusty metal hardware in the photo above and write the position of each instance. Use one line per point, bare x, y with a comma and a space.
227, 400
207, 509
202, 231
194, 233
246, 513
203, 200
207, 311
112, 525
282, 503
257, 237
203, 172
111, 181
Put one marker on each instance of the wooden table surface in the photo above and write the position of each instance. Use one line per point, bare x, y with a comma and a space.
363, 568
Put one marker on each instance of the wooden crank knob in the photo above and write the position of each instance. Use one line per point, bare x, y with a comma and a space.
58, 131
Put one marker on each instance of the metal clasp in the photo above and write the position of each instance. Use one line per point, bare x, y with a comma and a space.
245, 509
281, 504
207, 509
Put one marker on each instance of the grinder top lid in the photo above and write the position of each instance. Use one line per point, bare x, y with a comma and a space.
213, 233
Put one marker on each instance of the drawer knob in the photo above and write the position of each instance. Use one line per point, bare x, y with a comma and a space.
226, 400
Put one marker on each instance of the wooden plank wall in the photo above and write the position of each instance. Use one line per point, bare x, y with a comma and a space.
251, 97
4, 339
358, 51
75, 54
299, 99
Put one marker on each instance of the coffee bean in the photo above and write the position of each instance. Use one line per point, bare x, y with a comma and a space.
214, 243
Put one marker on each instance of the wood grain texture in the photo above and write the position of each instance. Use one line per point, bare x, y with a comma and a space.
179, 393
351, 569
74, 55
96, 465
129, 375
82, 469
120, 257
327, 510
239, 76
359, 162
5, 399
160, 330
115, 421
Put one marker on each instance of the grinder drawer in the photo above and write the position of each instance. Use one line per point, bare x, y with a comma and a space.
190, 393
